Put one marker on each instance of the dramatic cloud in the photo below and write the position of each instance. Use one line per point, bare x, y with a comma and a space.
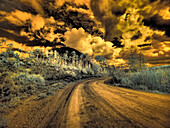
136, 23
110, 28
36, 4
86, 43
79, 40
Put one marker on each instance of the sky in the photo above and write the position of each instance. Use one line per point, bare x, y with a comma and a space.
109, 28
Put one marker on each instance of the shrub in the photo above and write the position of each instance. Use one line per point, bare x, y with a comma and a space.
29, 79
152, 79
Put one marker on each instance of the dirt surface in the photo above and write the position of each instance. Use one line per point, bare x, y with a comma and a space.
93, 104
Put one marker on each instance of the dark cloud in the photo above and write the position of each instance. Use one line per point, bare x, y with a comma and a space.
147, 38
137, 36
48, 23
108, 13
116, 42
12, 36
6, 25
146, 48
143, 45
156, 22
119, 12
151, 1
160, 37
36, 24
25, 40
12, 5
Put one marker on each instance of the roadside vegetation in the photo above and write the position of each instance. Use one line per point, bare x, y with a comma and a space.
136, 75
42, 73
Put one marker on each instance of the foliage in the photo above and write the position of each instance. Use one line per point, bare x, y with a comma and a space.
96, 68
26, 79
138, 76
146, 79
136, 61
21, 76
152, 79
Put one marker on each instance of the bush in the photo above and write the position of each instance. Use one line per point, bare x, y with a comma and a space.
151, 79
7, 87
29, 79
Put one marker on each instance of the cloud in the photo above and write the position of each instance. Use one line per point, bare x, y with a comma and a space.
143, 24
84, 42
102, 48
33, 27
78, 2
16, 17
165, 13
37, 23
121, 17
79, 40
36, 4
107, 12
20, 18
45, 27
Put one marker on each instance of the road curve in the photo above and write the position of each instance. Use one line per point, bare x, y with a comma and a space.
93, 104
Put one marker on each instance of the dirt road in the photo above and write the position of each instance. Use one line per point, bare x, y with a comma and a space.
93, 104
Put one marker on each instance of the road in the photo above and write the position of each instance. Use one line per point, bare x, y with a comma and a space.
93, 104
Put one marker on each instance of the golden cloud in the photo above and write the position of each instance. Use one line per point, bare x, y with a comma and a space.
122, 19
84, 42
35, 4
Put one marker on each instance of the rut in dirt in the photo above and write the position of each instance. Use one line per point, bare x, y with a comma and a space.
102, 106
93, 104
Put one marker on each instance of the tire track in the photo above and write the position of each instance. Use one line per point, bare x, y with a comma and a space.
142, 111
104, 114
58, 118
93, 104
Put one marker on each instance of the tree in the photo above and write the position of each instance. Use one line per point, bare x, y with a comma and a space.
73, 53
65, 57
81, 60
136, 61
102, 60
